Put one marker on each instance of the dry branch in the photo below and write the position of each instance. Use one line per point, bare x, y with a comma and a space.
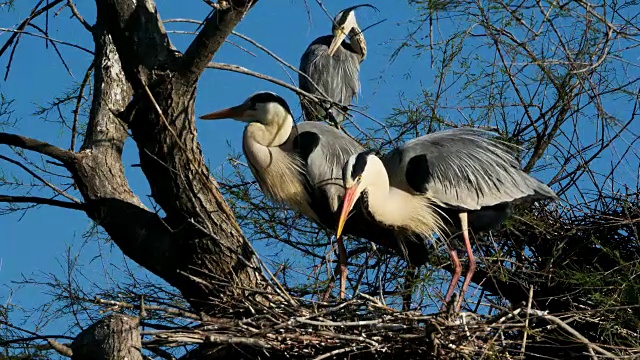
64, 156
358, 329
41, 201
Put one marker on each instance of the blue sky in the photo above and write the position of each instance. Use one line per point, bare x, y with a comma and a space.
36, 242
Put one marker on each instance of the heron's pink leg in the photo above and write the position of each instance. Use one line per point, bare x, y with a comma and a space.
472, 260
342, 261
456, 274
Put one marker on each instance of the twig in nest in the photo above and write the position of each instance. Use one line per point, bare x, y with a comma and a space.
591, 346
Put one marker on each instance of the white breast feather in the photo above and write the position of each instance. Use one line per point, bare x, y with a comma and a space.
283, 181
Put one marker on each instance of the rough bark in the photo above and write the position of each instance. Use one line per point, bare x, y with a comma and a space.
115, 337
198, 247
199, 237
143, 85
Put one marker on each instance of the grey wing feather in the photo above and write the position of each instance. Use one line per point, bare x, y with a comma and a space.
325, 163
466, 169
337, 76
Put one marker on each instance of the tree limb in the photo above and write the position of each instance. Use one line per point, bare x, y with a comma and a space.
64, 156
215, 30
198, 247
114, 337
41, 201
139, 37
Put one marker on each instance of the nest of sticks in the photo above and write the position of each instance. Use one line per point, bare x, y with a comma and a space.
365, 328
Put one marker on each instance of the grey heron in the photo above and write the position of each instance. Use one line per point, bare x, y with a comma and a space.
444, 182
333, 64
301, 166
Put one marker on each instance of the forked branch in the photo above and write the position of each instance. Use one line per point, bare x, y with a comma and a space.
215, 31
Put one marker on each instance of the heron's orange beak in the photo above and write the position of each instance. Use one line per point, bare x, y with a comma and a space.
235, 112
347, 205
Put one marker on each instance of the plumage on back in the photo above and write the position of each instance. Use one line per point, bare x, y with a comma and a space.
455, 180
462, 168
337, 76
324, 150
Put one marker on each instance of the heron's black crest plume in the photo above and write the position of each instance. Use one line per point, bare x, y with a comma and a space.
341, 18
264, 97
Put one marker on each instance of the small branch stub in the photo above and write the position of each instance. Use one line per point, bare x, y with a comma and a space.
114, 337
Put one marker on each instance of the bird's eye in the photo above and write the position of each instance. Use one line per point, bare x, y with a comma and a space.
359, 178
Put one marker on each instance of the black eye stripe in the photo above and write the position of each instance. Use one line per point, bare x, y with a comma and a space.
359, 165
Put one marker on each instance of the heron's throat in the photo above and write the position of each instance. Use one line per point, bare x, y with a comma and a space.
398, 209
272, 134
387, 205
358, 43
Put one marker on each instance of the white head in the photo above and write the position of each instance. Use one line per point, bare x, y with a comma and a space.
263, 107
389, 205
344, 24
361, 172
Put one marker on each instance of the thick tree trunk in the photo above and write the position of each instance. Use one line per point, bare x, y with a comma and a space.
143, 84
115, 337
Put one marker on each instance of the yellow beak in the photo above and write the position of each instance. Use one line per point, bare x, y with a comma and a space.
338, 36
347, 205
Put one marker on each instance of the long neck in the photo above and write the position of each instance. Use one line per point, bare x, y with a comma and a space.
261, 144
358, 43
271, 135
389, 205
278, 173
399, 209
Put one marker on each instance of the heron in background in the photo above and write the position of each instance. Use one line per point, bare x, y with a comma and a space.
333, 65
444, 182
301, 166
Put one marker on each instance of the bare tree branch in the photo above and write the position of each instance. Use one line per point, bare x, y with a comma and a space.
35, 12
41, 201
77, 15
64, 156
214, 32
46, 37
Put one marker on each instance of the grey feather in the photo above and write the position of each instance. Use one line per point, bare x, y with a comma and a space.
467, 170
324, 172
324, 164
337, 76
